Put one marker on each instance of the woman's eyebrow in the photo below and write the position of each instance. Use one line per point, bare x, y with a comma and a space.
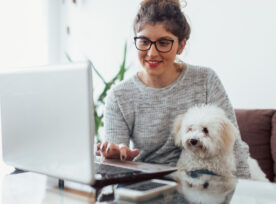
142, 36
165, 38
161, 38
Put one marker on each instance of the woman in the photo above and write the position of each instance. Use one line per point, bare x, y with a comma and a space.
143, 108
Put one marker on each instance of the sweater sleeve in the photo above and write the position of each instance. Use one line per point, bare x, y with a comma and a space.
115, 126
216, 95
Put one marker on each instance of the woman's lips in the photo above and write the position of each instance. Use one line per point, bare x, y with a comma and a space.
153, 63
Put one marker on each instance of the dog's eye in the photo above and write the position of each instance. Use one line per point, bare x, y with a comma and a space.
205, 130
189, 129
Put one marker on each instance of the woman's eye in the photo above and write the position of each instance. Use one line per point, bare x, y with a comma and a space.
143, 42
164, 43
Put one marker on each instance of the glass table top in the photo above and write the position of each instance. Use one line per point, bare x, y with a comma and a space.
36, 188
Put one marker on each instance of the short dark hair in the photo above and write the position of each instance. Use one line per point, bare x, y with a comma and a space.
167, 12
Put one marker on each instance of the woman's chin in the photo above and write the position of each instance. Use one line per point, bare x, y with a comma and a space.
154, 71
154, 74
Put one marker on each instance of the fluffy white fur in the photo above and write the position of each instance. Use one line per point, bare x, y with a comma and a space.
207, 137
219, 189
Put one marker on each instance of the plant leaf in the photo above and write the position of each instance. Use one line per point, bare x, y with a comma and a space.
68, 57
100, 101
96, 71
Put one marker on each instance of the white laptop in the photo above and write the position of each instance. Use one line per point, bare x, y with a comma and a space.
47, 122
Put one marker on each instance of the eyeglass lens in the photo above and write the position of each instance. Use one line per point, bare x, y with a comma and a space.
162, 45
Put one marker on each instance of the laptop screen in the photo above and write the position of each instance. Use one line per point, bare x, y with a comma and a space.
47, 120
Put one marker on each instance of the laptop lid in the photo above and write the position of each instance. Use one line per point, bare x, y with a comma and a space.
47, 120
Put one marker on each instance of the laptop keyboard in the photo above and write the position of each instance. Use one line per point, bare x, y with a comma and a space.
107, 171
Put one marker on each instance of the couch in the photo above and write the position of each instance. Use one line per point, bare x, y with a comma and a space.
258, 130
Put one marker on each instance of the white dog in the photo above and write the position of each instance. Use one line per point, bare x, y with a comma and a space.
207, 137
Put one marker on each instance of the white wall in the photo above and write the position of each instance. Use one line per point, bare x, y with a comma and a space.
236, 38
98, 31
23, 36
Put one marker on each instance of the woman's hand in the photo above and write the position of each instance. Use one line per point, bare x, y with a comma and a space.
113, 151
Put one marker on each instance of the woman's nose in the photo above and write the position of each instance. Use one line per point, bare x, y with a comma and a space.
152, 51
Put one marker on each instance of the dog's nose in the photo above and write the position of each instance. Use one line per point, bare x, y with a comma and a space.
193, 142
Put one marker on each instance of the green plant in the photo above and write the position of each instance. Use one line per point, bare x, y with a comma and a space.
100, 101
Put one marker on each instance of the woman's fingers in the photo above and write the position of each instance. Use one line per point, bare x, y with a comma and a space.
122, 150
109, 146
108, 150
99, 146
126, 153
113, 151
134, 153
103, 146
123, 154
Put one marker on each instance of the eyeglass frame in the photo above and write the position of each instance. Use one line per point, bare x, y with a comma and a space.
152, 42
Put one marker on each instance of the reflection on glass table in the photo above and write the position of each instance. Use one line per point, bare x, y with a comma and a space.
200, 187
36, 188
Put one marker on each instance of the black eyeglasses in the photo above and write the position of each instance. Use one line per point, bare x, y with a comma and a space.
162, 45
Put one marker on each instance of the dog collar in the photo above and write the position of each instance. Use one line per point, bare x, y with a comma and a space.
196, 173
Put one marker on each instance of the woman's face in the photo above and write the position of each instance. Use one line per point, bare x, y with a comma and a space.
154, 62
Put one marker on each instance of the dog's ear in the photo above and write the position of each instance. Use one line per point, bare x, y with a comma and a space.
176, 130
229, 135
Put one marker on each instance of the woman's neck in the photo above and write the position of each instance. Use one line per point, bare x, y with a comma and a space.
161, 81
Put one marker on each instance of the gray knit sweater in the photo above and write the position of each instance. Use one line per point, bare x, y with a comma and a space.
144, 115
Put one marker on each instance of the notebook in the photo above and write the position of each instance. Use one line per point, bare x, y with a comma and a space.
47, 126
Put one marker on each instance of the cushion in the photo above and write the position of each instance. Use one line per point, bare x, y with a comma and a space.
273, 144
256, 128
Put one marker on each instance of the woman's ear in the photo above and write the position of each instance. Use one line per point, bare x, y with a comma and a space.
181, 46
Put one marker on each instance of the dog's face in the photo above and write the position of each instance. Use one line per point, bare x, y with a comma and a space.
205, 130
